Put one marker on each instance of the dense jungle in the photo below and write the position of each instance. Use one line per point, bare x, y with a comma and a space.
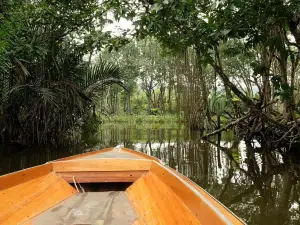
212, 88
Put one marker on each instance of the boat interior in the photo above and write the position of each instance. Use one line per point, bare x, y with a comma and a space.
111, 186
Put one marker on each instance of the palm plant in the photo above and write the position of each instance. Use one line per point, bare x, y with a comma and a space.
218, 103
100, 76
46, 88
47, 105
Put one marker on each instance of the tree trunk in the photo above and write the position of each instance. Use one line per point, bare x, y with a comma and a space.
219, 141
170, 99
148, 103
128, 102
232, 87
162, 98
203, 86
266, 90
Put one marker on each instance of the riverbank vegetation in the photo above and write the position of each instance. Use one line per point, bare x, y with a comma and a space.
249, 50
214, 65
176, 73
143, 119
47, 89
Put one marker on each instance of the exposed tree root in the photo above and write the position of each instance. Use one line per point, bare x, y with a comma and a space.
272, 132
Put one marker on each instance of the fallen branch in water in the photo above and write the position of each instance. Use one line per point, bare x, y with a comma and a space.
226, 127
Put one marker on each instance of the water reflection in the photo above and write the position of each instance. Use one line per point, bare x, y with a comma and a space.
260, 187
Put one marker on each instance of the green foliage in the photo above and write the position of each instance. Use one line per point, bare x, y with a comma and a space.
100, 75
91, 125
146, 68
181, 46
207, 25
46, 87
282, 89
143, 118
218, 103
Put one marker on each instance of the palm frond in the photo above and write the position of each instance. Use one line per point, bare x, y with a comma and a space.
100, 85
100, 72
48, 96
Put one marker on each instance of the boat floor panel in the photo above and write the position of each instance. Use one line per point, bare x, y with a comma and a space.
113, 155
90, 208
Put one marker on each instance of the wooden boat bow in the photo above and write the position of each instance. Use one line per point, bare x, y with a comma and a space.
109, 186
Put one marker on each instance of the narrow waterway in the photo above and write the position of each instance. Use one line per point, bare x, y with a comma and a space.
257, 187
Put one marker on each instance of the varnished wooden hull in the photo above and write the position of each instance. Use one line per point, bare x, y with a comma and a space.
50, 194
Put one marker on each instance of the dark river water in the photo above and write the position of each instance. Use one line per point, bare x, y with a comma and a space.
257, 187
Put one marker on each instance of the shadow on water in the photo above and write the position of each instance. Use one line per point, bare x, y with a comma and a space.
261, 188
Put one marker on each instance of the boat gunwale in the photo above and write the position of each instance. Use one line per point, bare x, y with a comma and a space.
30, 172
142, 154
193, 186
95, 152
73, 157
